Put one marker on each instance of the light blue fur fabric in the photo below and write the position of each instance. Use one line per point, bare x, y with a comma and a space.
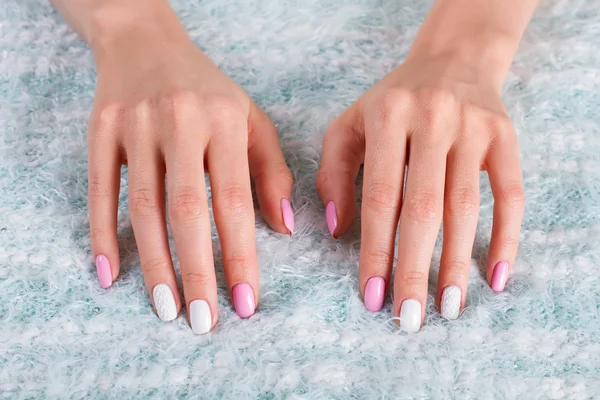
304, 62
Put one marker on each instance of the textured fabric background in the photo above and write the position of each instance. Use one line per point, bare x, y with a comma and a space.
62, 336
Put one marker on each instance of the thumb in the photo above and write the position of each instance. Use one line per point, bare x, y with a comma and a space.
272, 178
343, 154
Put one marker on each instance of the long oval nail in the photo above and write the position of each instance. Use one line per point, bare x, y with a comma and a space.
450, 304
331, 217
374, 293
243, 300
410, 316
288, 215
200, 317
164, 302
104, 271
499, 276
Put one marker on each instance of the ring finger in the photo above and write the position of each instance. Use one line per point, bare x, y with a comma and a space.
190, 225
147, 208
420, 220
234, 212
461, 210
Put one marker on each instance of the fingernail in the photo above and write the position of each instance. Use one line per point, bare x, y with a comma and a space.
288, 215
104, 272
200, 317
374, 292
243, 300
410, 316
331, 217
164, 302
499, 276
451, 297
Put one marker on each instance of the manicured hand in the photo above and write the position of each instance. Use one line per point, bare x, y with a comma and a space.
163, 108
444, 122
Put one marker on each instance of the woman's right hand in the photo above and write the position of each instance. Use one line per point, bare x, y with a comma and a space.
163, 108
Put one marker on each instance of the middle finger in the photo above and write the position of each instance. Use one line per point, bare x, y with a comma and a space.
190, 224
420, 220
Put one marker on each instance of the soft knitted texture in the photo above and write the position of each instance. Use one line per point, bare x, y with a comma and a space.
304, 62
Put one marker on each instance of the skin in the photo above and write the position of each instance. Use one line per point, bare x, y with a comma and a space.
441, 115
164, 109
160, 103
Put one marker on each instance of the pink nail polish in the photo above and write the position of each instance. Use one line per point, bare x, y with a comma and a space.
288, 215
499, 276
374, 292
331, 217
243, 300
103, 270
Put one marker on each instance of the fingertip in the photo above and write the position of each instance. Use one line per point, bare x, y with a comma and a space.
244, 302
104, 271
499, 276
374, 294
201, 317
287, 214
331, 218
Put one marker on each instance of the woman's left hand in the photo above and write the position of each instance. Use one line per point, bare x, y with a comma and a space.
446, 123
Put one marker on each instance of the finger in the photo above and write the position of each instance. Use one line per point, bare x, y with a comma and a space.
190, 226
382, 193
147, 208
420, 220
461, 210
343, 153
504, 169
104, 175
234, 213
272, 178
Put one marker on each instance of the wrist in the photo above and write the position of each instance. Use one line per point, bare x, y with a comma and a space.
115, 22
473, 37
483, 57
480, 59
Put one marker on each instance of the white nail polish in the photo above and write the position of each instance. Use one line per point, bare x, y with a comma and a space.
410, 316
450, 306
200, 317
164, 302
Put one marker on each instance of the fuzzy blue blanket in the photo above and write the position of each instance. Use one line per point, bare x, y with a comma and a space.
62, 336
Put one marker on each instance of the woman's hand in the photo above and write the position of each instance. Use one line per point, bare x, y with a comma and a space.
163, 108
441, 114
446, 131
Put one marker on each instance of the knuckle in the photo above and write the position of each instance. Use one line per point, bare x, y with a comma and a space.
233, 201
414, 278
321, 181
185, 204
220, 111
197, 278
387, 106
513, 196
378, 258
177, 100
499, 125
156, 266
98, 235
97, 190
455, 266
142, 202
462, 203
509, 241
179, 107
437, 100
382, 196
438, 109
422, 207
278, 172
104, 119
237, 262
